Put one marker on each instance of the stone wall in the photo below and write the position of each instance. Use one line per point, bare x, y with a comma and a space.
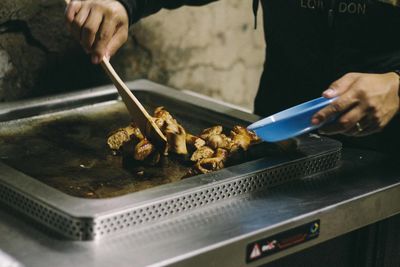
212, 50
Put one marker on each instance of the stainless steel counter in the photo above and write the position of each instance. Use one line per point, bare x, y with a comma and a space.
363, 190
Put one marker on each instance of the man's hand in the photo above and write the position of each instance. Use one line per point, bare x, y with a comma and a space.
365, 105
101, 26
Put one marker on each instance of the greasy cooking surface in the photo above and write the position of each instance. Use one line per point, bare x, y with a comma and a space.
68, 151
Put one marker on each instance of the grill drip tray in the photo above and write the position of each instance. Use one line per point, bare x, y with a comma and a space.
55, 167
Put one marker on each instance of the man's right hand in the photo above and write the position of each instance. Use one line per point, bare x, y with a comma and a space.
101, 26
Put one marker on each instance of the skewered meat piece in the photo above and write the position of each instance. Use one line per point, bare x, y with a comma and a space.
194, 142
122, 136
210, 131
143, 149
202, 153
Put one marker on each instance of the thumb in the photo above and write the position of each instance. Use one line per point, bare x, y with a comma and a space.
340, 86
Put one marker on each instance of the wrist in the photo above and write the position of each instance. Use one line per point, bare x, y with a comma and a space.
397, 73
129, 6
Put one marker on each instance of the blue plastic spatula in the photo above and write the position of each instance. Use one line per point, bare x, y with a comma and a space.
290, 122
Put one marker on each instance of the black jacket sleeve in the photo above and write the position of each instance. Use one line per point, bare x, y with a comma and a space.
138, 9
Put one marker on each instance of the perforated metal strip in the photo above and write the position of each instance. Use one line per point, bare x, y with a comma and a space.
67, 226
95, 228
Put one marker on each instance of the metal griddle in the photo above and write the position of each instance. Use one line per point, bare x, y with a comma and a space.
56, 169
67, 150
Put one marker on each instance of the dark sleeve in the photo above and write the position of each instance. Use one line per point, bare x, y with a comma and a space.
138, 9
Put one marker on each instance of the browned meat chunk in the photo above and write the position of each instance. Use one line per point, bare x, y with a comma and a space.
243, 131
163, 116
219, 141
175, 133
143, 149
243, 138
208, 165
176, 137
210, 131
159, 122
118, 138
202, 153
240, 141
212, 148
221, 154
194, 142
137, 133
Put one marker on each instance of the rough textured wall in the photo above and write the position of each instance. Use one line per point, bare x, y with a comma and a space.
212, 50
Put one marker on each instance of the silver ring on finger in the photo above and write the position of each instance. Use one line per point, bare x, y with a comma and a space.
359, 128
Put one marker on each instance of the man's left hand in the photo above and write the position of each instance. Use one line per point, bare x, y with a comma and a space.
365, 104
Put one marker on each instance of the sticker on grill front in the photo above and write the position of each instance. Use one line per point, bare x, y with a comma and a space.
271, 245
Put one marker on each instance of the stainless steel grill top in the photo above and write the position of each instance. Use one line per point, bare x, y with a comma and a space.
86, 219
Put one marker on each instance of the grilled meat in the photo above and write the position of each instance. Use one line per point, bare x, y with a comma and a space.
176, 138
219, 141
207, 165
122, 136
221, 154
210, 131
163, 114
159, 122
242, 138
175, 133
211, 149
194, 142
143, 149
202, 153
240, 130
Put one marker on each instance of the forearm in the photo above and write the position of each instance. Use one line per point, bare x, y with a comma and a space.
397, 73
138, 9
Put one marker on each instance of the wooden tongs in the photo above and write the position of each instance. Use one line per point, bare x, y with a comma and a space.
140, 116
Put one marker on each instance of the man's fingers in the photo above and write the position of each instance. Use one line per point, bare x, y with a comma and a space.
103, 38
119, 38
79, 21
340, 86
340, 105
71, 10
90, 29
345, 123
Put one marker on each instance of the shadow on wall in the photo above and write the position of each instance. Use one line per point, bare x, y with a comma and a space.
212, 50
